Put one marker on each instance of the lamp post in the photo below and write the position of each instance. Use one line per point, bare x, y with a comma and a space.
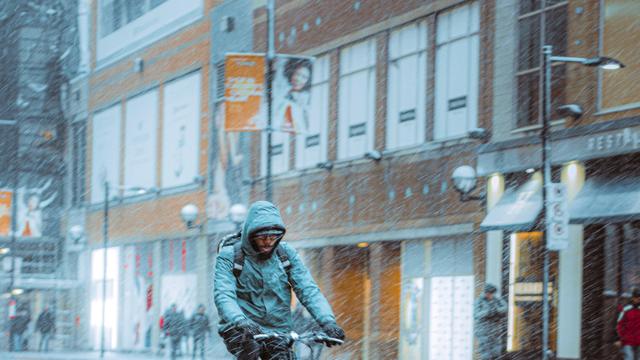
605, 63
105, 241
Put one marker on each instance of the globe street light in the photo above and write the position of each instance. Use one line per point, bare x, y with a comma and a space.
237, 214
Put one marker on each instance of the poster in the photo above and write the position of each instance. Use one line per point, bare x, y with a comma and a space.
181, 126
138, 295
292, 93
32, 202
5, 212
243, 92
228, 169
105, 151
141, 129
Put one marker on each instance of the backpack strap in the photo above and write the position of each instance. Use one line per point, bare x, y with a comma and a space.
238, 259
284, 259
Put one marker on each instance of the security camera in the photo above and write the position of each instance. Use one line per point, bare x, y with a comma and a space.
373, 155
572, 110
478, 133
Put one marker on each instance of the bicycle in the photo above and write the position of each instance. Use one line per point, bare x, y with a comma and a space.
308, 339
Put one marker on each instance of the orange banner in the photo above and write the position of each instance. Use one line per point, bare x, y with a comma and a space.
243, 92
5, 213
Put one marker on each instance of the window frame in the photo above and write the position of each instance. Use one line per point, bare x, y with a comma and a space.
421, 51
346, 128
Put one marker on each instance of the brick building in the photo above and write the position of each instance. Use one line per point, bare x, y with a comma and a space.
593, 153
366, 193
149, 137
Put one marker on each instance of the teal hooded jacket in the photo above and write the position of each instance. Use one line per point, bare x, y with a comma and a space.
262, 292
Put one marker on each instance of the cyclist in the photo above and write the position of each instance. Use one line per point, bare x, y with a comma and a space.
255, 298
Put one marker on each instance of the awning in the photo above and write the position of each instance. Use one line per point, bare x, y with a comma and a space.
518, 209
607, 198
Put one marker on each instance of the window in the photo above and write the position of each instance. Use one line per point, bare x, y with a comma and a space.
620, 89
529, 56
457, 58
78, 148
356, 109
311, 148
279, 152
115, 14
407, 86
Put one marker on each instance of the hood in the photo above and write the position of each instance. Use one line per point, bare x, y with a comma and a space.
262, 215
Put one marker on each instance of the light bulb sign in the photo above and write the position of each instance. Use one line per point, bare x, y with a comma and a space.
557, 217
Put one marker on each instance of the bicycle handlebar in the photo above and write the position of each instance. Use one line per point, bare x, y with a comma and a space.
293, 336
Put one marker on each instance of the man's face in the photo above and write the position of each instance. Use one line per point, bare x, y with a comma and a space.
265, 243
489, 295
635, 299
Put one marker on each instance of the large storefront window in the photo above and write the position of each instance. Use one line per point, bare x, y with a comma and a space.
611, 269
362, 284
179, 281
525, 276
110, 281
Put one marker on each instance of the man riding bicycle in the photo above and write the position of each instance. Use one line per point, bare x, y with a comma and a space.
253, 288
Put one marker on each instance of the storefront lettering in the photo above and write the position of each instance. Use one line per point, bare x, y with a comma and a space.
617, 141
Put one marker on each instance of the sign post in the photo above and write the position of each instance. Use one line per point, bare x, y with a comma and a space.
557, 217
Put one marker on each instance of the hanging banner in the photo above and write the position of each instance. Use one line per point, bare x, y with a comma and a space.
557, 217
5, 213
243, 92
292, 93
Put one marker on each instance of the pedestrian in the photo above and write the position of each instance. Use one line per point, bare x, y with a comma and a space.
628, 327
252, 288
46, 326
18, 326
199, 328
489, 313
174, 328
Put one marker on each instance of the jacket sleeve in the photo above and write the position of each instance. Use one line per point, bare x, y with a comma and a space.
307, 290
622, 322
480, 310
224, 292
501, 306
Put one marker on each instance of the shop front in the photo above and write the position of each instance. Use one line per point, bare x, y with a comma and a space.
590, 279
403, 296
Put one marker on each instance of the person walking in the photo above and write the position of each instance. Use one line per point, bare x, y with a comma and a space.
18, 326
628, 327
46, 326
174, 329
489, 313
252, 288
199, 328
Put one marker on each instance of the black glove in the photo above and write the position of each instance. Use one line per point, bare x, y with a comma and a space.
249, 327
334, 331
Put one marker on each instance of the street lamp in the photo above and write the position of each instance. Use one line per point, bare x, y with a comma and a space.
105, 233
464, 181
237, 214
189, 214
602, 62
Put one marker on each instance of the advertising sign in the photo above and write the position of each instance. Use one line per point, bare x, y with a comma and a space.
105, 164
5, 213
292, 93
141, 129
557, 217
243, 92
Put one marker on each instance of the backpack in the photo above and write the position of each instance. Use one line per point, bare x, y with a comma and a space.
238, 254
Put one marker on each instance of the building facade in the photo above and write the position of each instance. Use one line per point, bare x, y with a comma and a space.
366, 192
38, 59
150, 142
593, 153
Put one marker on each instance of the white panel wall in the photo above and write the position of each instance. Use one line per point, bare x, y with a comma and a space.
311, 148
457, 59
141, 125
181, 128
356, 110
406, 106
105, 151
